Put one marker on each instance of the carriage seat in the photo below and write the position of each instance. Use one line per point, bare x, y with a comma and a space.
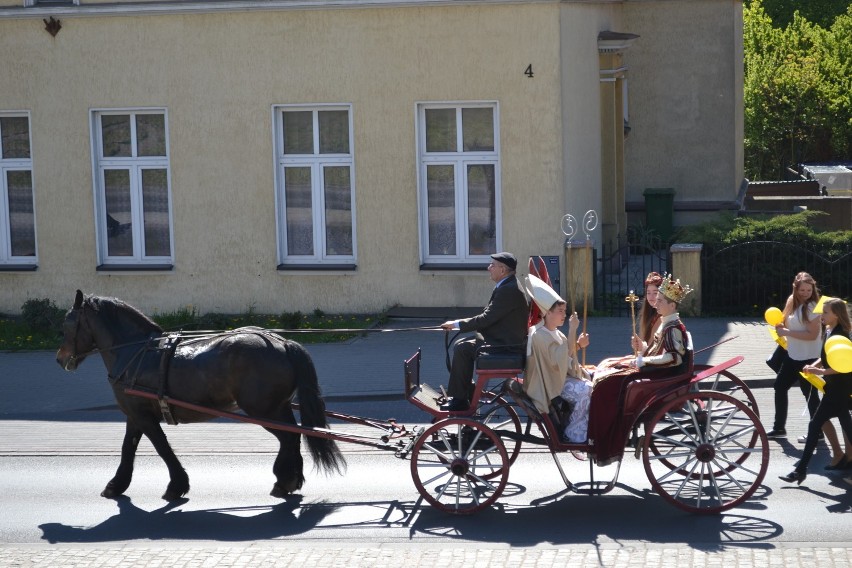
644, 388
487, 361
501, 357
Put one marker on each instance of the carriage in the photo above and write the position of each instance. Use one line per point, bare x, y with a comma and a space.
697, 431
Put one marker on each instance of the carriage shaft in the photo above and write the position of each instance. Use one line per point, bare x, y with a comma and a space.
272, 424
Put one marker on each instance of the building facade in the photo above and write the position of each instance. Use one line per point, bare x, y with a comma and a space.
347, 155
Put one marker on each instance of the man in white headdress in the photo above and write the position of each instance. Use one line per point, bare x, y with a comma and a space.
552, 367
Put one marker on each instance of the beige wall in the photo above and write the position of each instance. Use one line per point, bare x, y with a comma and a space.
218, 76
686, 104
581, 24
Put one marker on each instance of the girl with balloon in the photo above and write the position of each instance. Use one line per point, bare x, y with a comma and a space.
801, 328
835, 366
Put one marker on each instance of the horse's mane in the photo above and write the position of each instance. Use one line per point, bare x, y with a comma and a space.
115, 306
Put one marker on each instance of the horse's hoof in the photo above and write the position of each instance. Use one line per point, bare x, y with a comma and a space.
280, 492
173, 495
111, 491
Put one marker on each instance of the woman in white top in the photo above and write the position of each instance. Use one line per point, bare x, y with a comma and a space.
802, 330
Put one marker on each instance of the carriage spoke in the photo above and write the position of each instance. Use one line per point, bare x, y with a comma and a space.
473, 470
700, 460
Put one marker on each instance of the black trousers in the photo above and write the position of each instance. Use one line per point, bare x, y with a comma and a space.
784, 381
461, 370
828, 408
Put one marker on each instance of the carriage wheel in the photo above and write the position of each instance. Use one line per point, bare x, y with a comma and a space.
456, 477
675, 426
696, 452
504, 418
728, 383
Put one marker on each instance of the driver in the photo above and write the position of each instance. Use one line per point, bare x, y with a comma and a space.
503, 323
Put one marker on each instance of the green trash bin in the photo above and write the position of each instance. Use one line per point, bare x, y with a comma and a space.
659, 211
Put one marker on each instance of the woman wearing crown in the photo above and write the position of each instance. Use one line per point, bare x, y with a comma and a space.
668, 345
665, 356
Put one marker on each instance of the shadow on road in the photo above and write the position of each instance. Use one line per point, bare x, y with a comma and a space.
583, 519
171, 523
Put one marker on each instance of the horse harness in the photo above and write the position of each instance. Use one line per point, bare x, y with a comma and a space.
167, 346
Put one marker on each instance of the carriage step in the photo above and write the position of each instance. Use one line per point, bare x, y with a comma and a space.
428, 396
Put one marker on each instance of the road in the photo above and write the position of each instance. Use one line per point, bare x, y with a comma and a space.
53, 495
60, 436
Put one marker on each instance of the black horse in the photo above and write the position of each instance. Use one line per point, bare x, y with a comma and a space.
249, 368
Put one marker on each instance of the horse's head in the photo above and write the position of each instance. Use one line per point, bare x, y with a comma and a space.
77, 338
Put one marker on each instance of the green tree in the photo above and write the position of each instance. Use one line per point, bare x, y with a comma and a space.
798, 100
836, 62
820, 12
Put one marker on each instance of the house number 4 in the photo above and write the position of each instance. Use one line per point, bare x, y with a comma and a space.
528, 71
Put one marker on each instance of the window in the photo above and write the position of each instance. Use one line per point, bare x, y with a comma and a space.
132, 194
17, 212
51, 2
315, 186
459, 182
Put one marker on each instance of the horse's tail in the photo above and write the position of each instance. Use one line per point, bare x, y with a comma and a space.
324, 451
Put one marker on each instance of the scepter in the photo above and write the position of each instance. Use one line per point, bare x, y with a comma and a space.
632, 299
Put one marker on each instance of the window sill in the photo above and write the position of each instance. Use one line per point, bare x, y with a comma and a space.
135, 267
317, 267
448, 267
18, 267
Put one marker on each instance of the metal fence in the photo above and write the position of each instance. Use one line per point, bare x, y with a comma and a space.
622, 266
746, 278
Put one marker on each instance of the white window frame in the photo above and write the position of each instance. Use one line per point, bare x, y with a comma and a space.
135, 164
316, 162
460, 160
31, 3
7, 165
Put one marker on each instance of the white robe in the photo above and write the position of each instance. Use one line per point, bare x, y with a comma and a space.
553, 370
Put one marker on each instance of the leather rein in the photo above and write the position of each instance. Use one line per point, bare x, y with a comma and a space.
199, 335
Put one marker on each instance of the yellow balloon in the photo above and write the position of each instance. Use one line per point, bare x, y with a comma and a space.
840, 358
773, 316
779, 339
836, 340
815, 380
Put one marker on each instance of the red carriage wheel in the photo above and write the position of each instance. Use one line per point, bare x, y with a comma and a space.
675, 427
727, 383
705, 452
503, 418
459, 466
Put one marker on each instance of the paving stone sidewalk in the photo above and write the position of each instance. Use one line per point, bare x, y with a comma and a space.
289, 555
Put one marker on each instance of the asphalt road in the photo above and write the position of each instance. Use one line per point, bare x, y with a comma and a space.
60, 436
55, 500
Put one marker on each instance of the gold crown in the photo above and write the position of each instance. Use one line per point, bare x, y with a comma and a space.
673, 289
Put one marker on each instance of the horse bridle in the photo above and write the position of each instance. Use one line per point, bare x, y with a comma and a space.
75, 355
